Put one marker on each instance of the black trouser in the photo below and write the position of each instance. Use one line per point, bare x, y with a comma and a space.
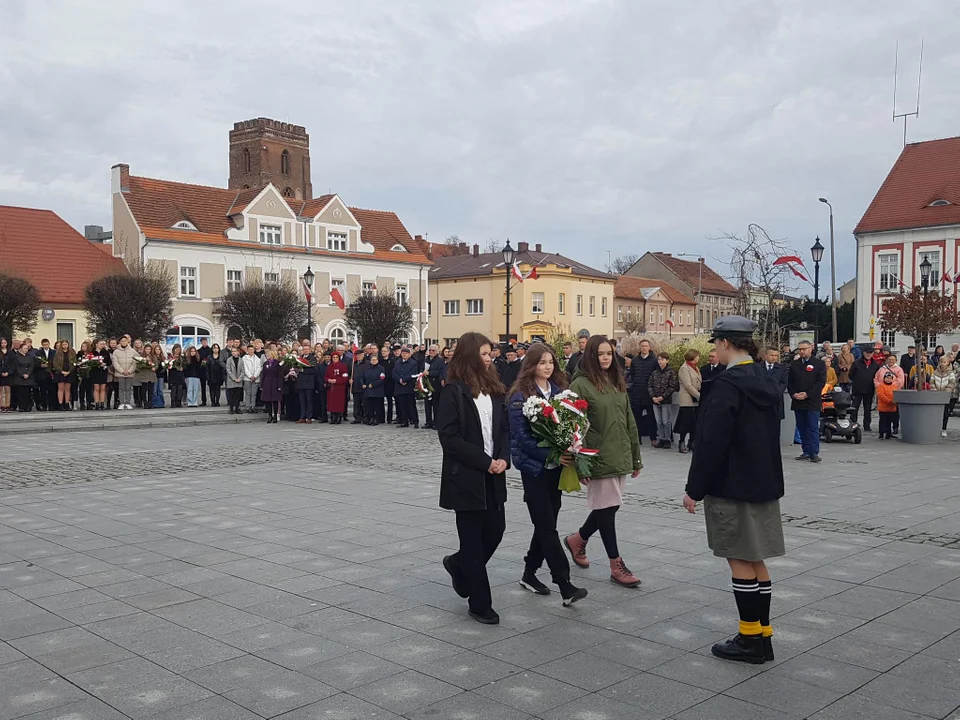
646, 423
886, 424
203, 388
306, 403
605, 521
543, 498
234, 397
865, 399
215, 394
390, 407
480, 534
20, 397
320, 405
273, 408
428, 410
179, 392
408, 403
374, 409
947, 409
44, 393
358, 405
291, 405
86, 392
146, 395
113, 394
137, 396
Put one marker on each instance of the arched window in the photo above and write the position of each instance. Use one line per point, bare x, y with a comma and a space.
338, 336
246, 160
285, 162
288, 192
186, 336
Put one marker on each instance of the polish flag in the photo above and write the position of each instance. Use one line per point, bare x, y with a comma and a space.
669, 323
532, 275
948, 276
788, 260
516, 273
306, 292
337, 298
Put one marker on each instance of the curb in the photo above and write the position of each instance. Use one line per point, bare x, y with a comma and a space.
133, 424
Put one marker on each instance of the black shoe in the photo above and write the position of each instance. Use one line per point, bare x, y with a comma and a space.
571, 594
768, 649
416, 426
356, 422
489, 617
741, 648
816, 459
802, 457
454, 580
530, 582
403, 425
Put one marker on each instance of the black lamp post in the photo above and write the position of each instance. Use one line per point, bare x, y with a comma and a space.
816, 252
508, 256
308, 281
925, 268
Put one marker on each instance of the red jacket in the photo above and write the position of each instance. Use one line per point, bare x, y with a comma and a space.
337, 378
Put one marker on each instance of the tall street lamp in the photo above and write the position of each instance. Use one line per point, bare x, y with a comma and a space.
816, 252
925, 268
833, 275
308, 281
508, 255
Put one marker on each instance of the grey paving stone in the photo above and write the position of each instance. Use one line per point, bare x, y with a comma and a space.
363, 634
530, 692
129, 672
930, 669
864, 654
279, 693
722, 707
913, 695
823, 672
340, 707
707, 672
9, 654
23, 672
349, 671
85, 614
55, 640
406, 692
469, 633
309, 650
160, 598
520, 651
587, 672
39, 622
469, 670
595, 707
204, 652
38, 696
467, 706
262, 637
893, 636
655, 695
57, 586
784, 695
87, 709
423, 617
153, 696
213, 708
864, 602
635, 652
84, 657
231, 674
71, 599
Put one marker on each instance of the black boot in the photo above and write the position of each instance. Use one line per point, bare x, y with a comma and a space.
571, 593
768, 649
742, 648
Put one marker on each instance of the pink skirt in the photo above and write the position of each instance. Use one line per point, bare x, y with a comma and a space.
605, 492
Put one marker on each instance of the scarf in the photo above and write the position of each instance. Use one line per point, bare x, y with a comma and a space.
692, 364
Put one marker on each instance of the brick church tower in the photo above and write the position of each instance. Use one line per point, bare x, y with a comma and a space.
268, 151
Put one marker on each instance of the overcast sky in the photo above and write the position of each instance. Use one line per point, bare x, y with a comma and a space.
586, 125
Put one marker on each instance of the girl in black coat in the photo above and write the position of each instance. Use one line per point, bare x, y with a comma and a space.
216, 374
474, 434
738, 473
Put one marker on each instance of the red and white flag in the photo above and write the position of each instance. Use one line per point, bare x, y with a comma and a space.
306, 292
669, 323
337, 298
516, 272
532, 275
790, 261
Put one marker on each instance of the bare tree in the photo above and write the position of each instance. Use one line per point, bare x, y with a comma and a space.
620, 264
761, 284
492, 246
379, 318
19, 305
275, 312
633, 324
456, 245
137, 303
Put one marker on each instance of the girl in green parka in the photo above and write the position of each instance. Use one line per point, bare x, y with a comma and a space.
613, 432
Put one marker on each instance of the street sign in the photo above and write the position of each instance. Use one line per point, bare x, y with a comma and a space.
803, 325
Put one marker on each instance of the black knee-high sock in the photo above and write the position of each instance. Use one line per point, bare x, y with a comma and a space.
765, 594
746, 593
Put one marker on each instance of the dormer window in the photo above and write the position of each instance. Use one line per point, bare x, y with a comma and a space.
184, 225
940, 203
398, 248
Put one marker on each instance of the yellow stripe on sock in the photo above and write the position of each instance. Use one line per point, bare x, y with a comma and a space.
767, 630
750, 628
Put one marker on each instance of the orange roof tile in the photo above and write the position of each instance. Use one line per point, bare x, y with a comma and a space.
690, 273
924, 173
629, 287
41, 247
160, 204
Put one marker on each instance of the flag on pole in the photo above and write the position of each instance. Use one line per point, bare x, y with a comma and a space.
306, 292
337, 298
798, 273
669, 323
532, 275
948, 276
788, 260
956, 278
516, 272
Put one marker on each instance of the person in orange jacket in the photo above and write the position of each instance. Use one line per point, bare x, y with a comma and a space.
886, 405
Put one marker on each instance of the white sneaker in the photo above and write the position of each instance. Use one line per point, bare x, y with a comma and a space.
943, 433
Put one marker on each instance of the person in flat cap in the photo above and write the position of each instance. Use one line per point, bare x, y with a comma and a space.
738, 474
574, 362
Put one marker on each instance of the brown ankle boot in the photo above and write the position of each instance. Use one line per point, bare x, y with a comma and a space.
578, 549
621, 575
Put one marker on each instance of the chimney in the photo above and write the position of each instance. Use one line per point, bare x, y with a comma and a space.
476, 250
419, 239
523, 247
538, 247
120, 178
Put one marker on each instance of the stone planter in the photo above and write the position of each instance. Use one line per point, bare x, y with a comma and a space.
921, 415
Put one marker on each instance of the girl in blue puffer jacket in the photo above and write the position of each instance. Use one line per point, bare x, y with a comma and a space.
540, 375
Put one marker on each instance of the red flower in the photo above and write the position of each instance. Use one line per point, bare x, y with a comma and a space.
581, 404
548, 410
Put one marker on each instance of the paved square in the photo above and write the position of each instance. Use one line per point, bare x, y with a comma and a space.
241, 570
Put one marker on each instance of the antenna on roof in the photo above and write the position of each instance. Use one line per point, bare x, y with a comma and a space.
916, 112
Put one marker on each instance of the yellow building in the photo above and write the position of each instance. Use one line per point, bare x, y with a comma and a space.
39, 246
468, 293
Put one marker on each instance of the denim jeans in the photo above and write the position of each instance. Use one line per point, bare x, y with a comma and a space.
808, 423
662, 414
158, 401
193, 391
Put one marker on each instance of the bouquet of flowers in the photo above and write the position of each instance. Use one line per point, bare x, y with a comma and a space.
88, 363
175, 363
561, 425
143, 363
292, 361
424, 388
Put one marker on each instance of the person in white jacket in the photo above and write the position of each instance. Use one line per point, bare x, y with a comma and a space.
251, 365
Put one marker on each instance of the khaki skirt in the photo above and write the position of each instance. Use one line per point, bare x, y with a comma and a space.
742, 530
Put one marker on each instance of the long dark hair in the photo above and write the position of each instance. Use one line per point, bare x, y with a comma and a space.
468, 368
602, 379
748, 344
526, 382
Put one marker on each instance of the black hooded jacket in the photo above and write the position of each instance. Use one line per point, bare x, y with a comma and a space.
738, 439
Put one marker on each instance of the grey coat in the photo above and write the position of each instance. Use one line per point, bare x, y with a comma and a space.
234, 377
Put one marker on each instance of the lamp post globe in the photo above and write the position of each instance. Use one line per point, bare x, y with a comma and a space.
509, 254
308, 277
925, 267
816, 252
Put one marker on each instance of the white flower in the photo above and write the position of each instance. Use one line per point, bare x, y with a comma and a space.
533, 407
566, 395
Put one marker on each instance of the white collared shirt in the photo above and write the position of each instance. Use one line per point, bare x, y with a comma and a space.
485, 410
